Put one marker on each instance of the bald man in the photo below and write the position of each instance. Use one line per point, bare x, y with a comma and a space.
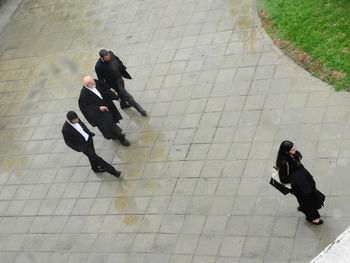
95, 102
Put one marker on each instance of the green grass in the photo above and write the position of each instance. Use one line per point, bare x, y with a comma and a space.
320, 28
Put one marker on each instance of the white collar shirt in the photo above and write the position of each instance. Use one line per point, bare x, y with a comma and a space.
80, 129
94, 90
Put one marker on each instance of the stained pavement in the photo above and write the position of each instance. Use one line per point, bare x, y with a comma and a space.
221, 97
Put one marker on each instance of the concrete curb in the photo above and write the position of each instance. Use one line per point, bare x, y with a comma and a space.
337, 252
7, 10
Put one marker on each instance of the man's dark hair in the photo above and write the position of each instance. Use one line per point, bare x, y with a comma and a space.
71, 115
103, 53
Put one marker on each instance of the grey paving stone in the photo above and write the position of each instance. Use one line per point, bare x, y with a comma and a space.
8, 256
164, 243
171, 223
208, 245
304, 248
255, 247
238, 225
215, 225
285, 227
180, 258
279, 247
220, 98
193, 224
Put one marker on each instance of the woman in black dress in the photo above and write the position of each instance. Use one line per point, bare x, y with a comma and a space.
292, 171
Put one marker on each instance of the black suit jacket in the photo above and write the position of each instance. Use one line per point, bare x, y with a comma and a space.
73, 138
89, 104
110, 71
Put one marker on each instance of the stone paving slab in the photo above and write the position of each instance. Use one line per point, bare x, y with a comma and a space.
221, 97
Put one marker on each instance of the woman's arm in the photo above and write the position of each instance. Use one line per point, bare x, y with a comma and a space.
283, 172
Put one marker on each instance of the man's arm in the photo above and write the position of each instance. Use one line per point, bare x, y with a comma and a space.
99, 73
79, 147
86, 129
123, 68
111, 93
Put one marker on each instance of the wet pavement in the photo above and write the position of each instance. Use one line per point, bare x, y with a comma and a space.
221, 97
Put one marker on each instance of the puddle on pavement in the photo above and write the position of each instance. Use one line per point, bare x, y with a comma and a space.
147, 138
146, 221
159, 153
235, 2
151, 184
125, 188
121, 204
19, 173
15, 162
134, 171
140, 154
234, 11
130, 219
246, 21
252, 34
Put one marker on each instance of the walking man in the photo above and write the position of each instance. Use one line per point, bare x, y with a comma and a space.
111, 70
95, 102
78, 137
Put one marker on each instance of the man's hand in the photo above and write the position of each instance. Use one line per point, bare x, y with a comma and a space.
103, 108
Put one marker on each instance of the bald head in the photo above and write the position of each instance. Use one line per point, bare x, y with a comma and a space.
89, 81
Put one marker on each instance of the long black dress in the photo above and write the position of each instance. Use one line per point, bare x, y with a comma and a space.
303, 186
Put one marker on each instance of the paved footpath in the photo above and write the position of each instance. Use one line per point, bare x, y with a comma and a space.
221, 97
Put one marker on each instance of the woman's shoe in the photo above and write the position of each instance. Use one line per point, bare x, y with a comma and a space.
319, 222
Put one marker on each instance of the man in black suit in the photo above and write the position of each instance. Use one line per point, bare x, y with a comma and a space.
111, 70
78, 137
95, 102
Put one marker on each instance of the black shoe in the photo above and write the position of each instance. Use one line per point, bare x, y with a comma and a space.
143, 113
125, 106
125, 142
98, 170
320, 222
117, 174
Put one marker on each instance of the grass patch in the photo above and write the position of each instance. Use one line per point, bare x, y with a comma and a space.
315, 33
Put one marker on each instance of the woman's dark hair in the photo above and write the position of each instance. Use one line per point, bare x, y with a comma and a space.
285, 147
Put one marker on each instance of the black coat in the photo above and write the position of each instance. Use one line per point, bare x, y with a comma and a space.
73, 138
303, 184
89, 104
110, 71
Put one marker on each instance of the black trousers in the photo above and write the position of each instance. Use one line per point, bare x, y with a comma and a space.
109, 129
95, 160
308, 205
125, 97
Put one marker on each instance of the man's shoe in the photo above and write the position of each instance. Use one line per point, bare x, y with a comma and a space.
143, 113
98, 170
125, 142
117, 174
125, 106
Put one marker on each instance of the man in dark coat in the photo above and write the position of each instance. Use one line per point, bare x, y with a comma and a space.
111, 70
95, 102
78, 137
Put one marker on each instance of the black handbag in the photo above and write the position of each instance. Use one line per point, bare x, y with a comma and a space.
280, 187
